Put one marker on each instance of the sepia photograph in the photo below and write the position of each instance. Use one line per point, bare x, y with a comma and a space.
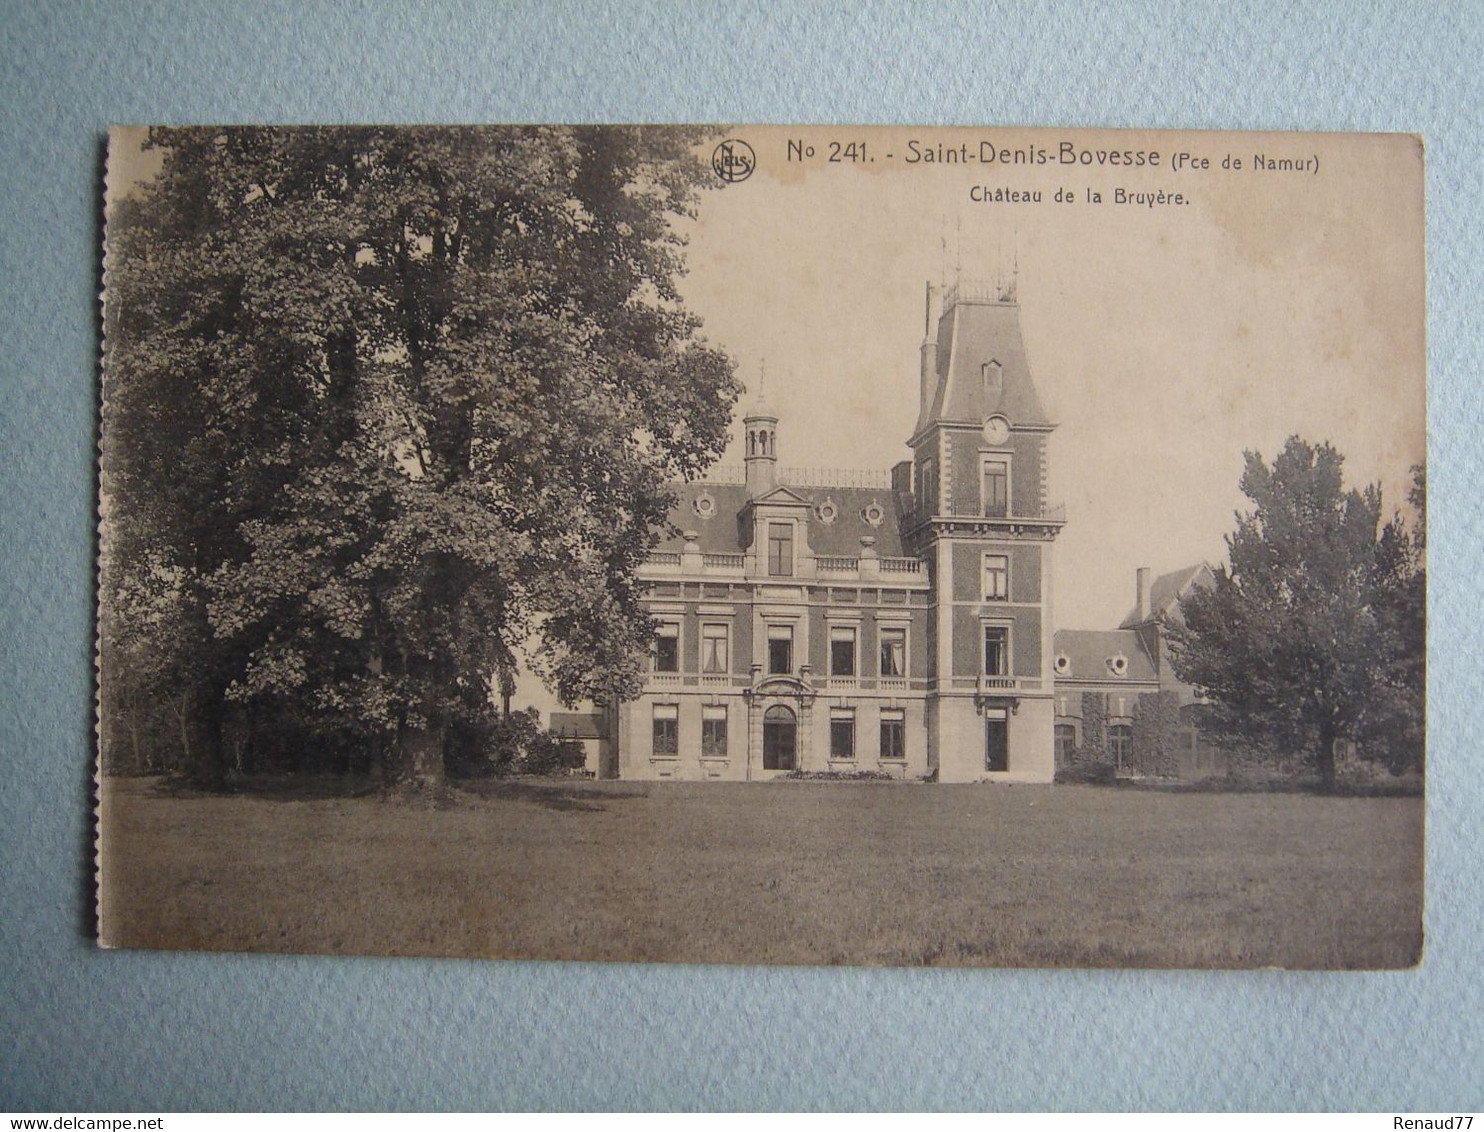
767, 545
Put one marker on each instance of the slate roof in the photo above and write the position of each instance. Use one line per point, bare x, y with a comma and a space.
974, 332
578, 724
722, 533
1166, 591
1090, 649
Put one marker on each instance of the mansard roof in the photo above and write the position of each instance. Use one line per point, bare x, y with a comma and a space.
1090, 650
971, 333
1167, 590
722, 532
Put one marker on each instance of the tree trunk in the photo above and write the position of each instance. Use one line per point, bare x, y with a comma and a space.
1326, 760
420, 756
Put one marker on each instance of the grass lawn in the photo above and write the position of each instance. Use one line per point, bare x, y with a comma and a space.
795, 872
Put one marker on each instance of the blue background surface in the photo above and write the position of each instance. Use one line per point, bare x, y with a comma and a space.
83, 1029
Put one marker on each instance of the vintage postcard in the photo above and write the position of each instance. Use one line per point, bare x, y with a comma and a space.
813, 545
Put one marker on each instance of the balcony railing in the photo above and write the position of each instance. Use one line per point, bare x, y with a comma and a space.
825, 564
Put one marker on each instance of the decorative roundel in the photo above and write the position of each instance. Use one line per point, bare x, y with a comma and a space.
827, 512
705, 505
873, 514
1118, 664
1062, 664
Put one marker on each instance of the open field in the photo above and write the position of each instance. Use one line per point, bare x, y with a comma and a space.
797, 872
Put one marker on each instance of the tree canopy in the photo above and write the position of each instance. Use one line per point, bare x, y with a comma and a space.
380, 405
1314, 632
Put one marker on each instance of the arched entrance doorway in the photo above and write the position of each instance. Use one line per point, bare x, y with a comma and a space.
780, 736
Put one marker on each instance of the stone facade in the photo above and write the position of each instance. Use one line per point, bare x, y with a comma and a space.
895, 624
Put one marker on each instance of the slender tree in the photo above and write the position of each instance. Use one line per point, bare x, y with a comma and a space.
385, 404
1304, 638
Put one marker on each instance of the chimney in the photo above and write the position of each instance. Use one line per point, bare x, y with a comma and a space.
930, 351
1141, 595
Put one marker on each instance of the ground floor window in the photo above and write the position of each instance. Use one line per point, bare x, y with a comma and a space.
893, 734
714, 730
1120, 743
1066, 743
996, 740
842, 733
779, 735
666, 729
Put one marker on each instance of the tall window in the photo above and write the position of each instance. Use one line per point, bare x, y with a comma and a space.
996, 488
780, 649
1066, 743
780, 549
927, 487
1120, 744
996, 650
714, 651
893, 652
666, 729
893, 733
996, 577
842, 650
996, 739
842, 733
714, 730
667, 648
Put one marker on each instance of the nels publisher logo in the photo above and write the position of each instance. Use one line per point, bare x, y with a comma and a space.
733, 160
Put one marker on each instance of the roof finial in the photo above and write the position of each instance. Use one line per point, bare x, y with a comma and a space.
762, 383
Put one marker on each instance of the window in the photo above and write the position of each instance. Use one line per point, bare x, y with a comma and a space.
996, 488
893, 733
996, 650
714, 651
1120, 743
996, 739
780, 549
927, 487
842, 733
780, 649
666, 729
667, 648
842, 651
714, 730
893, 652
996, 577
1066, 743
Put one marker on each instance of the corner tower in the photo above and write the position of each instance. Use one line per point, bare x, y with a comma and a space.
981, 519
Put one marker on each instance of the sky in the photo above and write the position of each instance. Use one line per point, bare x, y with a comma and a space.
1164, 340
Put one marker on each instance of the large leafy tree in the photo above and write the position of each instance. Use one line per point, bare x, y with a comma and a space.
1314, 632
381, 405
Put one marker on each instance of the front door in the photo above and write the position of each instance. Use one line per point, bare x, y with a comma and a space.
779, 737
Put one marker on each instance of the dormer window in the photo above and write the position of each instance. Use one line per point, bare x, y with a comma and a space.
993, 378
781, 549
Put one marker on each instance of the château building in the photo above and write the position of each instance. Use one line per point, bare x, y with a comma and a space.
857, 622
